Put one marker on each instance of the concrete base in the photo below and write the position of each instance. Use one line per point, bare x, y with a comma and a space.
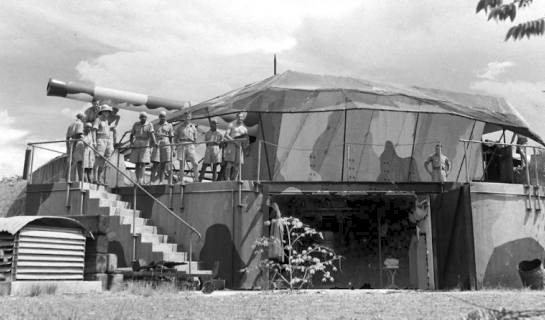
25, 288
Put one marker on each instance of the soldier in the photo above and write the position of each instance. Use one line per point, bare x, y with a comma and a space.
162, 153
141, 136
440, 165
113, 121
184, 137
84, 156
212, 155
91, 113
75, 130
232, 153
104, 144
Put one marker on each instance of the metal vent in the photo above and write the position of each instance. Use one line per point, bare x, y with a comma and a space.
48, 253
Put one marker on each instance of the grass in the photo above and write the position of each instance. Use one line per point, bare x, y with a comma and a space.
38, 290
138, 301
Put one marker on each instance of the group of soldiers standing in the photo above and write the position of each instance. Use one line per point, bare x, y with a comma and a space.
95, 135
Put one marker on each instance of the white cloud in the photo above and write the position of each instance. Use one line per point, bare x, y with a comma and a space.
11, 153
494, 69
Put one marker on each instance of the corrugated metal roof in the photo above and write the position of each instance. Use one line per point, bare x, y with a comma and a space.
13, 225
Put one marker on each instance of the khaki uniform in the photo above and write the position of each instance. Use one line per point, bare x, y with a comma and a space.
142, 135
232, 152
212, 154
163, 133
186, 133
105, 145
440, 165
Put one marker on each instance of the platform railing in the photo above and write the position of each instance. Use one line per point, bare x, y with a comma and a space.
536, 151
70, 144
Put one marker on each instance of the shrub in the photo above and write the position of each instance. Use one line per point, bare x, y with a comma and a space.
296, 256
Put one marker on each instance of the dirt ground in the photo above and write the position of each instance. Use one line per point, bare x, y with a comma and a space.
313, 304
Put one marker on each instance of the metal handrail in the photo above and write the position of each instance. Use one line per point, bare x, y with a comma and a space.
139, 186
193, 229
33, 145
525, 146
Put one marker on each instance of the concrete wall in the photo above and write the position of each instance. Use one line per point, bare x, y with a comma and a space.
228, 231
505, 231
50, 200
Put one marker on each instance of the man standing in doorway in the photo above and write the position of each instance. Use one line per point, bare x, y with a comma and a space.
161, 155
141, 135
440, 165
104, 144
212, 155
185, 136
233, 152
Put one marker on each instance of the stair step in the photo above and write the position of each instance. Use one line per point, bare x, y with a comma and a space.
94, 194
164, 247
129, 219
171, 256
125, 212
101, 202
194, 269
141, 229
154, 238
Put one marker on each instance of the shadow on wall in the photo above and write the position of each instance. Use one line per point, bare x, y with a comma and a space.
393, 168
219, 246
502, 268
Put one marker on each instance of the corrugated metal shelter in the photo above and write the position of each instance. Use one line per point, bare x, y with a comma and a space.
328, 128
41, 248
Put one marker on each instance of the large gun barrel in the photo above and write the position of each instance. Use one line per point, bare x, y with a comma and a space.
123, 99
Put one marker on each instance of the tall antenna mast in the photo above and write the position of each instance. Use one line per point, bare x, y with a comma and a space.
274, 64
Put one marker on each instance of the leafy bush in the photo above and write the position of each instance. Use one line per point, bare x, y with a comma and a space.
295, 255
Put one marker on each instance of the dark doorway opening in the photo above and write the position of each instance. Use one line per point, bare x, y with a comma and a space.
365, 229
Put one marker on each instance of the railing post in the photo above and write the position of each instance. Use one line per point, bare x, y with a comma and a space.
240, 154
240, 175
535, 166
31, 164
190, 254
348, 161
68, 175
466, 160
526, 165
117, 171
258, 161
170, 178
134, 224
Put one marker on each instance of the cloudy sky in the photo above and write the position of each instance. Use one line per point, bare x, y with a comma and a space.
194, 50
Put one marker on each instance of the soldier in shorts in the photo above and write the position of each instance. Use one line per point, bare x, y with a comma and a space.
141, 136
104, 144
185, 136
440, 165
161, 153
212, 155
84, 157
232, 154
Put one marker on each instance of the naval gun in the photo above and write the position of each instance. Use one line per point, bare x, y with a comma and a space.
132, 101
122, 99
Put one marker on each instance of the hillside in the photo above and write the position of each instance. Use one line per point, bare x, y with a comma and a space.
12, 196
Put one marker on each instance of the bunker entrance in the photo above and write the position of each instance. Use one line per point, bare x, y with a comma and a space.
366, 229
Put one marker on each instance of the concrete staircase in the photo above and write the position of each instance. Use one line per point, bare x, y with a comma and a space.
150, 243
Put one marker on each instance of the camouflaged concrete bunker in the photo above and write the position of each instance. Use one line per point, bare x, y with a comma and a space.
325, 128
